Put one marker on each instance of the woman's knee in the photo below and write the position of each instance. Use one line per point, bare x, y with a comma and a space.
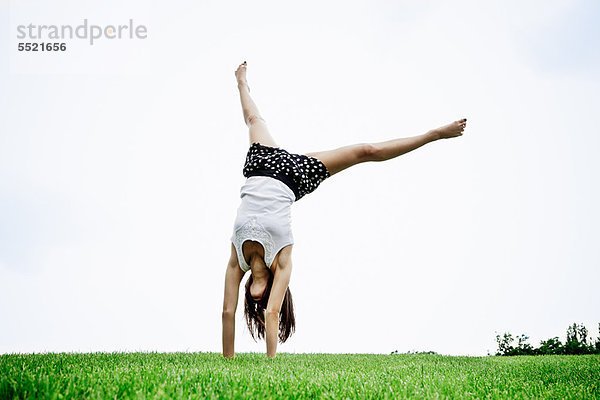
252, 119
367, 152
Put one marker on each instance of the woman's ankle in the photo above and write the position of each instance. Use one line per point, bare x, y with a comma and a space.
432, 135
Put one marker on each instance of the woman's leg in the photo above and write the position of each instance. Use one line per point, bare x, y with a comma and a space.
343, 157
257, 125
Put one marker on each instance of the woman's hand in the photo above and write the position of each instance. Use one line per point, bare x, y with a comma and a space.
272, 332
233, 277
281, 280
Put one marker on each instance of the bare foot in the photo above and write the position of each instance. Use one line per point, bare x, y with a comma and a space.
451, 130
240, 74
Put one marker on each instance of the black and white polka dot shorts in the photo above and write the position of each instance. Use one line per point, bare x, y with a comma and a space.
301, 173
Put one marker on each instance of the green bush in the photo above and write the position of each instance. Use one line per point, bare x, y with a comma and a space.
577, 342
551, 346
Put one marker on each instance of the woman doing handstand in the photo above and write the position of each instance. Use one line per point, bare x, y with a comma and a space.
262, 238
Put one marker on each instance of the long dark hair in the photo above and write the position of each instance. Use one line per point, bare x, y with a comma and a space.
254, 312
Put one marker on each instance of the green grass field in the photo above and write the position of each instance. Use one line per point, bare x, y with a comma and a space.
252, 375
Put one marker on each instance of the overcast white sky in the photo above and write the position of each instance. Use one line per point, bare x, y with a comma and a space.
121, 164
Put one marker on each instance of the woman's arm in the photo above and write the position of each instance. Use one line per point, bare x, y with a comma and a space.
281, 280
233, 277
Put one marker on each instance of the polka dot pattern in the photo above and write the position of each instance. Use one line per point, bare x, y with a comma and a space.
303, 174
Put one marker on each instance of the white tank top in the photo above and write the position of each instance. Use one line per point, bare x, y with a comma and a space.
264, 215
